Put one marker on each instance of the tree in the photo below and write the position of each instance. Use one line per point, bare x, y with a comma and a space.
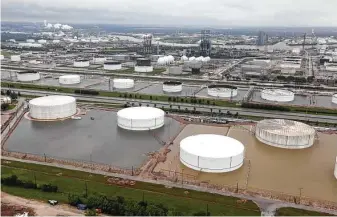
8, 92
74, 199
13, 95
236, 114
155, 105
229, 113
147, 105
170, 106
19, 94
4, 106
208, 102
150, 97
179, 107
90, 212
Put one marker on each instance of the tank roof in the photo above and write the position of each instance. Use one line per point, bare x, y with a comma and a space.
212, 146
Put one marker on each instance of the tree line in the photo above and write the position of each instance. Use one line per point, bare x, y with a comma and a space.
119, 206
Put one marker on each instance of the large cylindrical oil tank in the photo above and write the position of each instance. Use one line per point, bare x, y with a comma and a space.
172, 86
52, 107
15, 58
123, 83
277, 95
70, 79
99, 59
334, 98
219, 90
286, 134
175, 70
140, 118
212, 153
143, 65
112, 65
81, 63
29, 75
41, 41
335, 173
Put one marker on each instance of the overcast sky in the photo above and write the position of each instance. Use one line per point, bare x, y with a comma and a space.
217, 13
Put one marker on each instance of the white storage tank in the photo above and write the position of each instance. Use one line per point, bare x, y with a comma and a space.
99, 59
277, 95
5, 100
112, 65
143, 65
70, 79
30, 40
56, 41
184, 58
335, 173
172, 86
15, 58
212, 153
175, 70
29, 75
285, 133
123, 83
52, 107
81, 63
42, 41
219, 90
334, 98
140, 118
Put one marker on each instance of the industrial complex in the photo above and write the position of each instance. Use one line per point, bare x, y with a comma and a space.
253, 115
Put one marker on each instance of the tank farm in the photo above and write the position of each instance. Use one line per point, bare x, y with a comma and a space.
271, 158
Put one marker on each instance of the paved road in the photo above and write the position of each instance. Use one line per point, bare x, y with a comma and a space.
202, 108
267, 206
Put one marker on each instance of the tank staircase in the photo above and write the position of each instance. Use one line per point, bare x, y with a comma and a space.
249, 94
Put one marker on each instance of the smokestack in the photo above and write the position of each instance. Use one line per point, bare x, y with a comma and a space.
45, 22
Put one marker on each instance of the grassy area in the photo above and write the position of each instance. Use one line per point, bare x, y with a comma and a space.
289, 211
70, 181
6, 53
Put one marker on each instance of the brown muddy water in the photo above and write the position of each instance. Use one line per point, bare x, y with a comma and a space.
273, 169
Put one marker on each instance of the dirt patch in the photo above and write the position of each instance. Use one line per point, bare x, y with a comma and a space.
12, 210
38, 208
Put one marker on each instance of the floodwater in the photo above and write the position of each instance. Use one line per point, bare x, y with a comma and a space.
301, 100
272, 169
99, 140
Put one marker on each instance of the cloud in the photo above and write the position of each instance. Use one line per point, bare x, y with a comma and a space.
223, 13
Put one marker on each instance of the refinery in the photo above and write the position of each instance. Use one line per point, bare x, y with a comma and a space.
241, 115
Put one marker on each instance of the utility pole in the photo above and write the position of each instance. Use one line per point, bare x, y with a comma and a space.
86, 190
300, 195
